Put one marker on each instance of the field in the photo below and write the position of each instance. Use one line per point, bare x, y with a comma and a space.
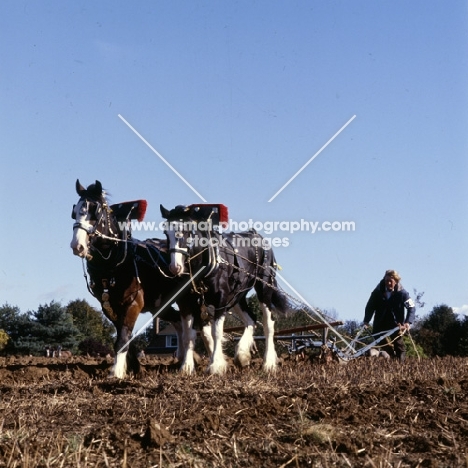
370, 412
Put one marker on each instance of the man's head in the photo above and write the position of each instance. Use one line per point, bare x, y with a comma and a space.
391, 279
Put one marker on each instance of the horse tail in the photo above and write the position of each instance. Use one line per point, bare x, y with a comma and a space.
279, 301
269, 292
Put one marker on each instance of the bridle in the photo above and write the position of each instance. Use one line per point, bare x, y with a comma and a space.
85, 210
206, 243
92, 219
179, 235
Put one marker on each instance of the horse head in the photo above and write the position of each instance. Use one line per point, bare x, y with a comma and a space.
190, 230
178, 232
91, 215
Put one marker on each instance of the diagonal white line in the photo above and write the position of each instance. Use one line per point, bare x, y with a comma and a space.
169, 302
310, 307
312, 158
159, 156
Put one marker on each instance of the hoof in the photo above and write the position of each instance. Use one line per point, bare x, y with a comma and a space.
216, 370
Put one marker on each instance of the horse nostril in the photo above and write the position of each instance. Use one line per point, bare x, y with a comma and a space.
175, 269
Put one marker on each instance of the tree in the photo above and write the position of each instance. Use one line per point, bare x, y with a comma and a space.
463, 342
94, 348
350, 327
418, 298
4, 338
52, 325
91, 323
17, 326
413, 349
142, 341
10, 320
439, 332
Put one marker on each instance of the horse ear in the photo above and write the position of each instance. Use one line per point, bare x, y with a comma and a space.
79, 188
98, 187
165, 213
95, 190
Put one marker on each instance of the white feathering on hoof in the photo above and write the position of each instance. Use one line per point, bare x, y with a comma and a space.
243, 352
270, 358
188, 366
243, 355
189, 336
218, 364
270, 363
120, 366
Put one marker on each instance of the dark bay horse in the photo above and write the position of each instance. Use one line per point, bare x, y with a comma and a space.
127, 276
233, 264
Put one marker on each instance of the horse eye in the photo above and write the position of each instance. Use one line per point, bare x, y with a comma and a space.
73, 214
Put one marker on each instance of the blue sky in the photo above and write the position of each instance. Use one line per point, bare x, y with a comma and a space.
238, 96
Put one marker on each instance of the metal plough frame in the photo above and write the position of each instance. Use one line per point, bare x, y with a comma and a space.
300, 342
350, 352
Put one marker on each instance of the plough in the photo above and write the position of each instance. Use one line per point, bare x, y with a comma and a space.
343, 350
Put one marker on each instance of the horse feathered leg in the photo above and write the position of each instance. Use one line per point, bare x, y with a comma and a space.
188, 338
218, 364
120, 365
270, 358
180, 353
243, 352
207, 338
121, 360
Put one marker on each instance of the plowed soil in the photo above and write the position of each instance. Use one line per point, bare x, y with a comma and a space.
370, 412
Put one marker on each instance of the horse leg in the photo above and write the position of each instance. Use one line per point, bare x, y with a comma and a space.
270, 359
180, 353
243, 352
188, 339
125, 354
120, 362
218, 364
207, 338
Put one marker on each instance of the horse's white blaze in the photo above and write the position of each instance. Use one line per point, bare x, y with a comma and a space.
120, 365
245, 345
188, 338
79, 242
270, 358
177, 258
218, 363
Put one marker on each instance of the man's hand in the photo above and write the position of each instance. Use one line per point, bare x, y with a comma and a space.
406, 326
365, 325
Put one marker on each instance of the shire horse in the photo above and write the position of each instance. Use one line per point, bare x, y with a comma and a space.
126, 275
232, 264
